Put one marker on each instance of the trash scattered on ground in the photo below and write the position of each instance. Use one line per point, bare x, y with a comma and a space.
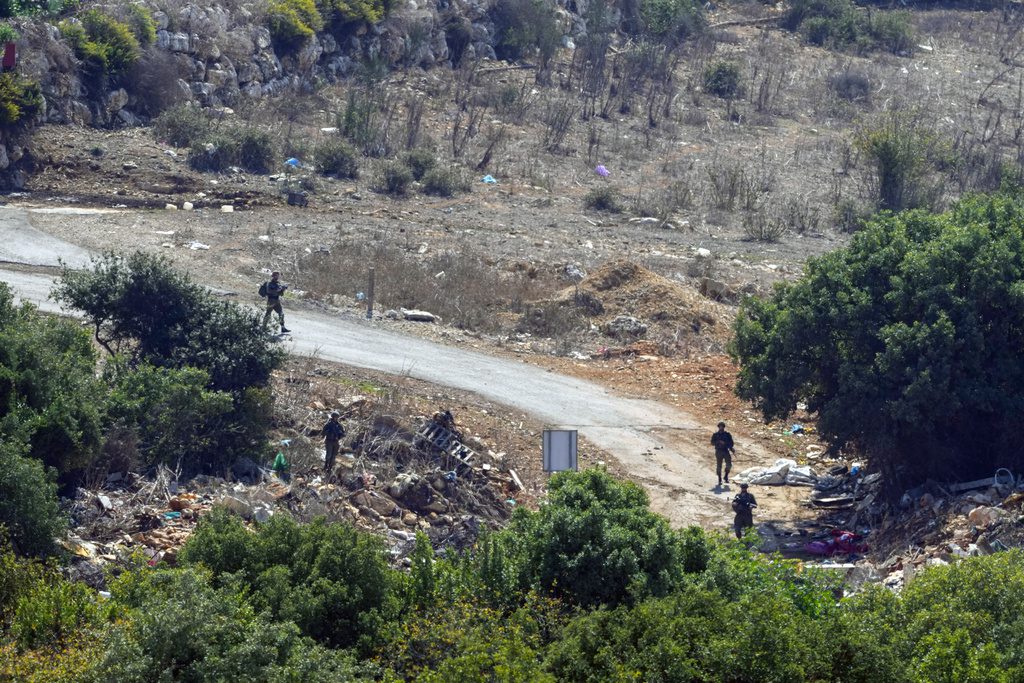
441, 486
489, 179
418, 316
602, 171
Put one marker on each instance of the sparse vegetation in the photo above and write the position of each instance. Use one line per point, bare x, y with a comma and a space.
604, 198
182, 126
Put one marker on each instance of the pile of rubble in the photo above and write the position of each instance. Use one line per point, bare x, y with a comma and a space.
450, 494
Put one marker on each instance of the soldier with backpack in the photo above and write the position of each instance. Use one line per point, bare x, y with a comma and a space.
273, 290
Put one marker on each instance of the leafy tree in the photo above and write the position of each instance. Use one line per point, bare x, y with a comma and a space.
907, 344
331, 580
595, 542
143, 309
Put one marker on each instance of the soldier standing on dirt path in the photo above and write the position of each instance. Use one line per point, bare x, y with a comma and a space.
273, 291
724, 450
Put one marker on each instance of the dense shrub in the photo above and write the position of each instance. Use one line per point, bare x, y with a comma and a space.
28, 502
106, 46
182, 126
337, 158
170, 412
49, 397
841, 24
670, 19
8, 34
52, 610
420, 161
594, 543
20, 101
331, 580
292, 23
177, 626
723, 79
522, 27
247, 147
341, 15
603, 198
395, 179
444, 182
919, 306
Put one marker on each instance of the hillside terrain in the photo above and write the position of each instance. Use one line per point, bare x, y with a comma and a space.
607, 198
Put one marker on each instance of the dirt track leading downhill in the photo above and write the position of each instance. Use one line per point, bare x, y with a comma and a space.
661, 447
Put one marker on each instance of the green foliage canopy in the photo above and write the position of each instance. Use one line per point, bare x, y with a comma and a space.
908, 343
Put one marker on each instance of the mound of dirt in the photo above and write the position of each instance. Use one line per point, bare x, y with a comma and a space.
671, 312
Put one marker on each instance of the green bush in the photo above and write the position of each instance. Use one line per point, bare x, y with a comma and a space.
182, 126
675, 19
20, 101
140, 20
444, 182
604, 198
336, 157
594, 543
176, 626
8, 34
903, 154
249, 148
420, 161
723, 79
919, 306
28, 502
395, 179
51, 611
256, 150
292, 23
522, 27
50, 399
341, 15
331, 580
106, 46
171, 413
841, 24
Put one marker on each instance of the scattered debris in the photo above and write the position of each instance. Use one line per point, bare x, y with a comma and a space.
418, 316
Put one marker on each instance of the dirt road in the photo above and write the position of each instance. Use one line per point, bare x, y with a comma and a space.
661, 447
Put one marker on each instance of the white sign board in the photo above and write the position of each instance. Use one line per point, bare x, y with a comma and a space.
560, 450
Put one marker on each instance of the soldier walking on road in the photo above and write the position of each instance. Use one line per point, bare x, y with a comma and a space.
724, 450
333, 434
743, 505
273, 291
